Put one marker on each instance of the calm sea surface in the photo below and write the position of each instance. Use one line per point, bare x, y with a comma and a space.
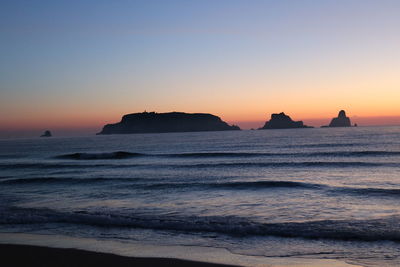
315, 193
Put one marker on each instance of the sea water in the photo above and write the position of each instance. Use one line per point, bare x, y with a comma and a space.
330, 193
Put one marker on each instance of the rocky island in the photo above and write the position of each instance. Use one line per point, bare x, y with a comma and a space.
46, 134
340, 121
152, 122
282, 121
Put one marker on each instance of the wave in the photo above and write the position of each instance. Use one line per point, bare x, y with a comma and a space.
238, 185
323, 164
302, 164
228, 185
144, 183
223, 154
12, 156
310, 154
329, 145
47, 180
365, 192
367, 153
266, 184
94, 156
360, 230
49, 166
369, 191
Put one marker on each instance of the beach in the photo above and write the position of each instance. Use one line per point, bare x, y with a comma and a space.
49, 250
24, 255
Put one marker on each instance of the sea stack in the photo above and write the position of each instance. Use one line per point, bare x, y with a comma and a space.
152, 122
46, 134
341, 120
282, 121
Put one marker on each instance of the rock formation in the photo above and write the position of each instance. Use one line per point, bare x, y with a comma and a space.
152, 122
46, 134
282, 121
341, 120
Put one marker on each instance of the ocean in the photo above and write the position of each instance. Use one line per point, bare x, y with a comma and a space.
323, 193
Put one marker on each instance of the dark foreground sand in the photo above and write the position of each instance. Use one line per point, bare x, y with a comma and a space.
34, 256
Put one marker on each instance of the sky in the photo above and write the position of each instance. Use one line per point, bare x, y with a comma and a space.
73, 66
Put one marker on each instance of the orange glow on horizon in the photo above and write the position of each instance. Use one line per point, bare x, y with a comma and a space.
246, 121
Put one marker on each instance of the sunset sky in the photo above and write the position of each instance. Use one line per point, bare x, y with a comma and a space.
73, 66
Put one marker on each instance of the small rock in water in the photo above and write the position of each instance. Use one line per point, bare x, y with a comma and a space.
46, 134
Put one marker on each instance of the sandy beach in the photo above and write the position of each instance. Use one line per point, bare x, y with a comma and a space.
25, 255
46, 250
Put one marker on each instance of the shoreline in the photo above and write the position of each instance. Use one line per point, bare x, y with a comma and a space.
28, 255
75, 251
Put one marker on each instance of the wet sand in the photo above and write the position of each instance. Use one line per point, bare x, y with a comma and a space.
35, 256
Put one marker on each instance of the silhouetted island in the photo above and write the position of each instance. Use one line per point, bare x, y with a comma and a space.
46, 134
282, 121
340, 121
152, 122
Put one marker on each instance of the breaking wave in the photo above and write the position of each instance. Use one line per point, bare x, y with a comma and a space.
361, 230
151, 184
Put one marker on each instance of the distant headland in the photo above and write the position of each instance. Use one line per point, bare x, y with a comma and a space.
282, 121
152, 122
